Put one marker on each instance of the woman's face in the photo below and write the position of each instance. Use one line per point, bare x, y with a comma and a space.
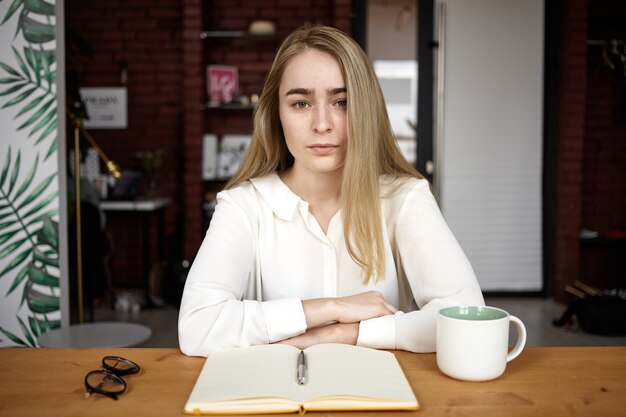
313, 114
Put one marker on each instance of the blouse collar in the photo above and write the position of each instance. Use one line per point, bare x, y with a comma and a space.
277, 195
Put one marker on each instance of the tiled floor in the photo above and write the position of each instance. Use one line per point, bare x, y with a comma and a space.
536, 313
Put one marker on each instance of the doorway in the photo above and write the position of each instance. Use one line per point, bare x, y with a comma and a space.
397, 36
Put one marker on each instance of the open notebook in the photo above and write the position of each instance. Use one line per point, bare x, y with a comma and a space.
264, 379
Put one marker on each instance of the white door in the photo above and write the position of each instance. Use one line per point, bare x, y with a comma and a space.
488, 150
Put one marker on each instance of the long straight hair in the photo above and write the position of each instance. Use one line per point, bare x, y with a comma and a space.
372, 149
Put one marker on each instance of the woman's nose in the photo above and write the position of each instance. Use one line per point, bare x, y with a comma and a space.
322, 122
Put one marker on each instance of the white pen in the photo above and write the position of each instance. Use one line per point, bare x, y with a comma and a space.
301, 368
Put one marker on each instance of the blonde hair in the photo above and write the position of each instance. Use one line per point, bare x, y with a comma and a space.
372, 149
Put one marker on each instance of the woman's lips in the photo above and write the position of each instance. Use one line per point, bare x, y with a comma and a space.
323, 148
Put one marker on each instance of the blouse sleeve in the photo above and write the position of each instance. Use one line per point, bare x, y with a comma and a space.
437, 270
213, 314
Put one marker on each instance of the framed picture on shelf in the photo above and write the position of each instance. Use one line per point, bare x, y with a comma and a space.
232, 149
222, 83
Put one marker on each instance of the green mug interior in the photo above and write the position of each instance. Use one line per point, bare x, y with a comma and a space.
473, 313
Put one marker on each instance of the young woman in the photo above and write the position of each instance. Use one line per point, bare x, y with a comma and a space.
326, 233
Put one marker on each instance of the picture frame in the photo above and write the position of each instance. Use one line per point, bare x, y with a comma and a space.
222, 83
107, 107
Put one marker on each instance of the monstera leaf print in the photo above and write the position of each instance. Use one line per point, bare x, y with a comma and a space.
29, 240
29, 85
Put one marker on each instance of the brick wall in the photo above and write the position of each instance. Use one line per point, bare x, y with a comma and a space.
604, 153
146, 37
590, 172
194, 93
570, 132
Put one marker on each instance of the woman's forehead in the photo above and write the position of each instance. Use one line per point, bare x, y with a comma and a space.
312, 70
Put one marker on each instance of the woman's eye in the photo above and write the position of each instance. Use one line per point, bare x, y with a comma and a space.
301, 104
342, 103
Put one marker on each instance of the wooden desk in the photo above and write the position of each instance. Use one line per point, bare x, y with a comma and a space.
541, 382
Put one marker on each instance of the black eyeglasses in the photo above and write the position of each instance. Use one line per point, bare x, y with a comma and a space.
108, 380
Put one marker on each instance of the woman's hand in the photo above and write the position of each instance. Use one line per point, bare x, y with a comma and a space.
367, 305
351, 309
331, 333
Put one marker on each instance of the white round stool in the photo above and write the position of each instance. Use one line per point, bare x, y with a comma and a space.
100, 334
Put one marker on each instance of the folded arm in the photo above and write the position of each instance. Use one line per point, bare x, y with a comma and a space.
336, 320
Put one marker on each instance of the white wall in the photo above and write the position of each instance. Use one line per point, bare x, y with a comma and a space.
489, 154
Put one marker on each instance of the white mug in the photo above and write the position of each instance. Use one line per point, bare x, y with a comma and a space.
472, 342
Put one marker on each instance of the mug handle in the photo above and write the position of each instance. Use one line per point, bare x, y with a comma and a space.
521, 339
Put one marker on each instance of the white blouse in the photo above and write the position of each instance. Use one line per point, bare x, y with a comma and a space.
264, 252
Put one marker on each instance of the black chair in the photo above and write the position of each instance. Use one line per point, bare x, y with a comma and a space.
95, 252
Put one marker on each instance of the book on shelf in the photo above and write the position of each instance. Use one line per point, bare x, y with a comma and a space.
209, 156
265, 379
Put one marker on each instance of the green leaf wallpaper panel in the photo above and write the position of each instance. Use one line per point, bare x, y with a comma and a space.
30, 281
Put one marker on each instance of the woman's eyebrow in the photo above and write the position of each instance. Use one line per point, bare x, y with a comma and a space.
309, 92
299, 91
335, 91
